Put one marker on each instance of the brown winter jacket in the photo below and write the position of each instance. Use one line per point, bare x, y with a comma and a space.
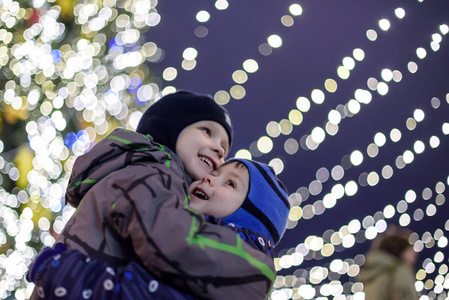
131, 198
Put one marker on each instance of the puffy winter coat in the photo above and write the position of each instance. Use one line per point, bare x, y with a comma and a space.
131, 198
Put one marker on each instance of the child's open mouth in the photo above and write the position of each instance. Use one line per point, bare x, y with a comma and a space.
197, 192
208, 161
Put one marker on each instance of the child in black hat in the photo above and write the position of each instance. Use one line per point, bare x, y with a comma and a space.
134, 211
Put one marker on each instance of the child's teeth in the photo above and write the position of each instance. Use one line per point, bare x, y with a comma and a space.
207, 161
201, 194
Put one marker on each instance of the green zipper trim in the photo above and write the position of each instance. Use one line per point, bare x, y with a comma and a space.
113, 137
85, 181
168, 161
236, 250
126, 142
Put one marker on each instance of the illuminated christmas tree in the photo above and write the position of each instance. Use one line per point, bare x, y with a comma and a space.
70, 72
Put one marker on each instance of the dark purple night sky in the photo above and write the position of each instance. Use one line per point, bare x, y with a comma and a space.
312, 50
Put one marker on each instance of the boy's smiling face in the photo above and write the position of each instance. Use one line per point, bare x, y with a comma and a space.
202, 147
222, 192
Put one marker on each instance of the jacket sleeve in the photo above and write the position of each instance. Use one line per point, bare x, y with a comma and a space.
148, 205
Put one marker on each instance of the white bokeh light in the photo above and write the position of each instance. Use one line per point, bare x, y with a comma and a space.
202, 16
274, 41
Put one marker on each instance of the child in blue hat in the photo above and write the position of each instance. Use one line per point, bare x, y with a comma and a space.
244, 193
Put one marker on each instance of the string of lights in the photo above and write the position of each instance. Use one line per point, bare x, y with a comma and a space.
353, 232
285, 126
364, 179
304, 282
239, 76
264, 144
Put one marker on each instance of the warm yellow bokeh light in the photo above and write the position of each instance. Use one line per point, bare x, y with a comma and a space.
295, 213
265, 144
330, 85
244, 154
239, 76
169, 73
237, 92
222, 97
343, 72
295, 117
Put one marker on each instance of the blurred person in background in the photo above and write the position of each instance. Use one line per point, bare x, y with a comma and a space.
388, 272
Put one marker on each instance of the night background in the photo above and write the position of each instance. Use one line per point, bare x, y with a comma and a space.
347, 100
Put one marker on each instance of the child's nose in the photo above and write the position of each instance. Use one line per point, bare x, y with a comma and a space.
209, 179
217, 148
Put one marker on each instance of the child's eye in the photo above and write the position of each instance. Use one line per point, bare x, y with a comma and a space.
231, 183
206, 130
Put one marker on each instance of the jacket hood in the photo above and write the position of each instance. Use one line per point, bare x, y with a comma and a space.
117, 151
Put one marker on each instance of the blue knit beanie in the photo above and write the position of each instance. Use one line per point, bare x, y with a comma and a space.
265, 209
166, 118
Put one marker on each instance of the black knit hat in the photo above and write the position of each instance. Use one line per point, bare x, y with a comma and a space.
166, 118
